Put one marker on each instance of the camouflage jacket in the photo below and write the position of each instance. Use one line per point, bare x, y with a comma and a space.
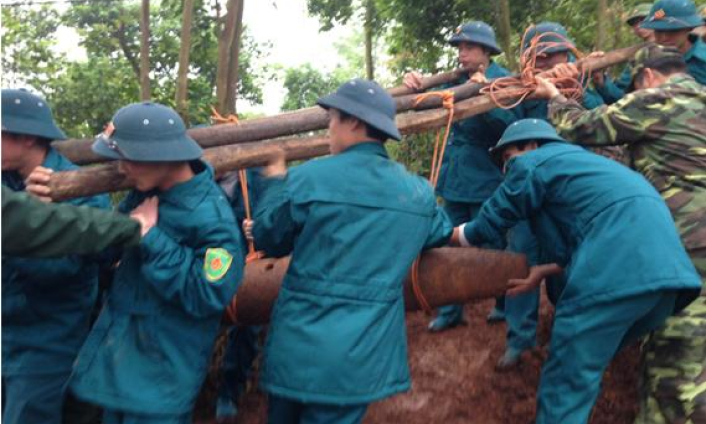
664, 131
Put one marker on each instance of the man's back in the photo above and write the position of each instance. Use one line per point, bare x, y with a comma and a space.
354, 222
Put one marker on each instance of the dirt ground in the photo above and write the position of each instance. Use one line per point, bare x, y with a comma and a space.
454, 381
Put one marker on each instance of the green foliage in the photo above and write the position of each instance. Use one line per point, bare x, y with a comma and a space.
305, 85
414, 152
27, 39
84, 95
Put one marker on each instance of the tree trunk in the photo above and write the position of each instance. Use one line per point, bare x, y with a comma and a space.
145, 50
602, 27
446, 276
184, 50
369, 33
234, 61
502, 14
225, 41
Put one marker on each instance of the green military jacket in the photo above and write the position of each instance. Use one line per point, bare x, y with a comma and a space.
32, 228
664, 130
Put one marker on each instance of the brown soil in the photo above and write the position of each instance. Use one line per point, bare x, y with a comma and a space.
454, 381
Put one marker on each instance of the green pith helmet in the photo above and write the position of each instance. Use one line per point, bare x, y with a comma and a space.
523, 131
476, 32
562, 36
28, 114
638, 13
652, 55
367, 101
147, 132
672, 15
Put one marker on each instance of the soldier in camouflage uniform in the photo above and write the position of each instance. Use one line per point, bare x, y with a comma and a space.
663, 126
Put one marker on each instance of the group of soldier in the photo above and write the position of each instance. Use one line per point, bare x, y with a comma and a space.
618, 241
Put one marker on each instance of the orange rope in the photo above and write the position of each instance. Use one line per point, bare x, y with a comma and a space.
253, 255
417, 289
436, 161
523, 86
217, 118
440, 143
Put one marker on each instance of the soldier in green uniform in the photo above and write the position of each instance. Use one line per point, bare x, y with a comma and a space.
625, 268
672, 22
46, 303
148, 352
354, 223
468, 175
663, 126
36, 229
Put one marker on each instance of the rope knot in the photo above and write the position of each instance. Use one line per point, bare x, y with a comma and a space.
217, 118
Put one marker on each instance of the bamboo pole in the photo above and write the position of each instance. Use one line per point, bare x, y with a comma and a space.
446, 276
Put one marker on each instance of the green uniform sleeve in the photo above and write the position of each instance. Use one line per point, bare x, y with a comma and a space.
32, 228
441, 229
277, 221
622, 122
517, 198
200, 278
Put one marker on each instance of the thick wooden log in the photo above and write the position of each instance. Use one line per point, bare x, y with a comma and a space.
427, 83
104, 178
315, 118
446, 276
285, 124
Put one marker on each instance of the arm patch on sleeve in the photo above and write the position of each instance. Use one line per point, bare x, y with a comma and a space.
216, 263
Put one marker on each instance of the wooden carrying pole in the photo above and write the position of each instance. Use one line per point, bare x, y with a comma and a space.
315, 118
446, 276
106, 178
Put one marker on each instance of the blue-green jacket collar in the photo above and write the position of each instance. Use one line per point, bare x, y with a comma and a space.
189, 194
369, 147
697, 50
53, 159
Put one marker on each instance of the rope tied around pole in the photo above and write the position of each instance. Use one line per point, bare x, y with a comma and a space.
440, 143
523, 86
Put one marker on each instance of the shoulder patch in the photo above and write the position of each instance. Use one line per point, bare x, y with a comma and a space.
216, 263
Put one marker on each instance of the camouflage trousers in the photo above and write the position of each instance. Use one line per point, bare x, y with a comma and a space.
674, 367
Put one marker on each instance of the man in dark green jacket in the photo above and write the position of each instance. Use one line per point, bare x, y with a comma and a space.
41, 230
626, 268
46, 303
354, 223
468, 175
663, 127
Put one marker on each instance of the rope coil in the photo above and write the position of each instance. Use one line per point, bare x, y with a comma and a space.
523, 86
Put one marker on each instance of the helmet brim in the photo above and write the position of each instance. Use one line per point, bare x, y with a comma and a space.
375, 119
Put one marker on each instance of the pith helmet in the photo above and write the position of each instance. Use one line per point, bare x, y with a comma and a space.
476, 32
367, 101
560, 35
29, 114
147, 132
525, 130
672, 15
641, 11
